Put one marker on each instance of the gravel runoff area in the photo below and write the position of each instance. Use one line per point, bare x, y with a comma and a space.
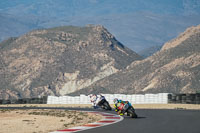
44, 121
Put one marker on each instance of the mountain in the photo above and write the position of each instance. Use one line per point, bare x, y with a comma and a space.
139, 24
59, 61
174, 69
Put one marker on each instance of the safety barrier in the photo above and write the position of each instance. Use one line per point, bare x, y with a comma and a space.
160, 98
42, 100
184, 98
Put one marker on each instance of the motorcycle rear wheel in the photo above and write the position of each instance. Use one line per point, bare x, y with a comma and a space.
107, 106
132, 113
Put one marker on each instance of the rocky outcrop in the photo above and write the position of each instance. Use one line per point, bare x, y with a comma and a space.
59, 61
174, 69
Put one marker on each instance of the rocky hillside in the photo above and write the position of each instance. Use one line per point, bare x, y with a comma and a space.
174, 69
59, 61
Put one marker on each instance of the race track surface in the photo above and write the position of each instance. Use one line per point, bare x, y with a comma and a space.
149, 121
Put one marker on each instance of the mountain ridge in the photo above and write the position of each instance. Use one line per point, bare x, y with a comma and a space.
170, 70
60, 60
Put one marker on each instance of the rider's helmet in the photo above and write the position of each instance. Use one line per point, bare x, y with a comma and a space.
93, 97
115, 101
90, 95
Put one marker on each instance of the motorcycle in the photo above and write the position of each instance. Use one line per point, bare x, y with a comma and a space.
100, 101
103, 103
126, 108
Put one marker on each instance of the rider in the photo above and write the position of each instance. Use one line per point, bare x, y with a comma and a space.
93, 100
117, 103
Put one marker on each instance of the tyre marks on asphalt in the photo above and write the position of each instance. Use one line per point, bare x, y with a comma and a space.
107, 120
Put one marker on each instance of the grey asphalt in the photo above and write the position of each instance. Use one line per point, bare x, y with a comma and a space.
150, 121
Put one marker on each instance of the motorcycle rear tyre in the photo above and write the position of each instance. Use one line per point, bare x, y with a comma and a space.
107, 106
132, 113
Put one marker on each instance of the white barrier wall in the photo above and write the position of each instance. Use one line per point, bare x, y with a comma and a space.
160, 98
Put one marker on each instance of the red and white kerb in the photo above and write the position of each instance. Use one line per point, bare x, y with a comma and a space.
107, 120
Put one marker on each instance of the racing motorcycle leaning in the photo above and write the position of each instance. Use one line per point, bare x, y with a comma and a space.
100, 101
127, 108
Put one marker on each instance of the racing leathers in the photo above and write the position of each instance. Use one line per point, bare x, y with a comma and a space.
95, 99
119, 102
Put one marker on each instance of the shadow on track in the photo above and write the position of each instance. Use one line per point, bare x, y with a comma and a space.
139, 117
